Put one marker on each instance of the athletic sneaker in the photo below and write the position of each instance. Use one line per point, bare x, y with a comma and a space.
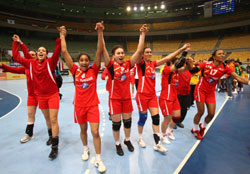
85, 155
129, 145
101, 166
165, 139
196, 134
202, 130
119, 150
141, 142
171, 135
26, 138
159, 147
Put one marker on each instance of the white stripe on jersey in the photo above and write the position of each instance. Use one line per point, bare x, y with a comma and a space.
31, 75
166, 107
50, 73
198, 89
169, 86
111, 107
112, 87
142, 85
140, 103
75, 115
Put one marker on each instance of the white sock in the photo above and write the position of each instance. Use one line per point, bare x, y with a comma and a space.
117, 142
140, 135
85, 148
127, 138
196, 126
204, 124
169, 130
98, 157
29, 123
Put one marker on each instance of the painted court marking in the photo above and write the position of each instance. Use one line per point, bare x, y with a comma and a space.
198, 141
20, 101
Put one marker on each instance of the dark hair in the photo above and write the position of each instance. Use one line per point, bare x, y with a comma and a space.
80, 55
211, 59
213, 54
172, 61
145, 49
33, 51
47, 51
115, 48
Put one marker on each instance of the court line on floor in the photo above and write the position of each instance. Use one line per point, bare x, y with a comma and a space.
181, 165
20, 101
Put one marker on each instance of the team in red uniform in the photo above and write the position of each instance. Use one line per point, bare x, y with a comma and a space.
86, 100
45, 85
211, 72
120, 104
146, 95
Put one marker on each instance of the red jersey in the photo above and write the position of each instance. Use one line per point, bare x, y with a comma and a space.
85, 86
183, 87
104, 74
169, 81
210, 75
41, 73
17, 70
120, 80
146, 75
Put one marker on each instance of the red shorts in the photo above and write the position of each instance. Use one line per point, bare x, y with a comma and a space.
167, 107
87, 114
144, 101
132, 80
117, 106
202, 96
32, 100
49, 101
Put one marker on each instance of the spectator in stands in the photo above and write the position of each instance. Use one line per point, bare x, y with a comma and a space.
45, 85
205, 89
86, 100
146, 95
120, 105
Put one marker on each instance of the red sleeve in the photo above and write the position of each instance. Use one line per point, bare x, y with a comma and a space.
154, 63
111, 62
202, 65
26, 52
73, 69
17, 70
96, 69
166, 70
56, 55
17, 57
105, 73
229, 70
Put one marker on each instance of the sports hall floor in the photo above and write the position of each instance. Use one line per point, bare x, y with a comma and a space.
225, 149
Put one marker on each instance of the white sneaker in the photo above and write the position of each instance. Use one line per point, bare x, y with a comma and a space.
171, 135
85, 155
101, 166
229, 97
159, 147
26, 138
165, 139
141, 142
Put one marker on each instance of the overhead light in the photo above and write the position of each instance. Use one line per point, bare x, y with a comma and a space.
163, 6
155, 7
142, 8
200, 6
149, 7
128, 8
135, 8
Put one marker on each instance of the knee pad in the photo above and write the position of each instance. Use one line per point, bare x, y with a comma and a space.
127, 123
142, 119
116, 125
156, 119
176, 119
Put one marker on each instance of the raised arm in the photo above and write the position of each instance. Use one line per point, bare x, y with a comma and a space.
105, 53
56, 55
99, 27
23, 47
66, 55
186, 47
17, 70
136, 57
240, 79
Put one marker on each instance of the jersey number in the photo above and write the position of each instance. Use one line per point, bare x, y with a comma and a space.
213, 72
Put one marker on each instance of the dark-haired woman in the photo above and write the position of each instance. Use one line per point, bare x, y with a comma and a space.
146, 95
45, 86
120, 103
211, 72
86, 100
